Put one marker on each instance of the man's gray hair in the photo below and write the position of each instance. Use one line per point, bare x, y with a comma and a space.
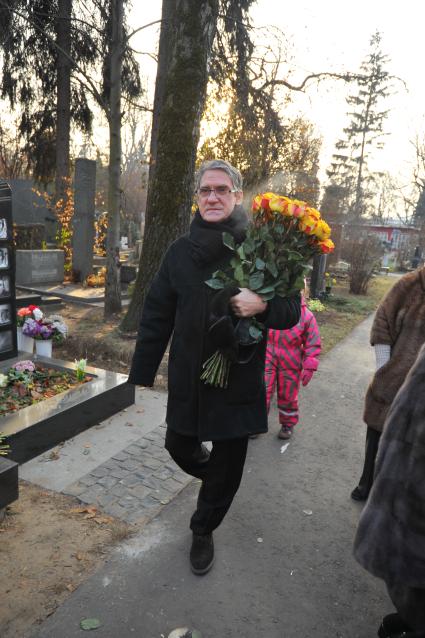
221, 165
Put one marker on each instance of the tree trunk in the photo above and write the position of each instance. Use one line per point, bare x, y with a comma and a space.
63, 98
112, 283
191, 26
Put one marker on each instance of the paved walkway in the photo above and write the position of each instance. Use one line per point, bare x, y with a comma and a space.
119, 465
284, 565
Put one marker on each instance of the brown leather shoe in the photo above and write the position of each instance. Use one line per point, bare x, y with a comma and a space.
285, 432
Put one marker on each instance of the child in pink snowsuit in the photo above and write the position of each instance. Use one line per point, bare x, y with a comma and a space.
291, 357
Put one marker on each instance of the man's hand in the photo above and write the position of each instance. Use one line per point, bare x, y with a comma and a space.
247, 303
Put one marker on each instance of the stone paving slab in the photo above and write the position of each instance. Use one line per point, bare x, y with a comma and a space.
135, 483
92, 449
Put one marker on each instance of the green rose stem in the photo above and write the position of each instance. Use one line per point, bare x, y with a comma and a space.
216, 371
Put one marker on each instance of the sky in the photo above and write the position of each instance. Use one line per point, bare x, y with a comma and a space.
332, 35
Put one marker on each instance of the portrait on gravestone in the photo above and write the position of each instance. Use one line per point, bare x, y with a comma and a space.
6, 341
4, 258
3, 228
4, 286
5, 314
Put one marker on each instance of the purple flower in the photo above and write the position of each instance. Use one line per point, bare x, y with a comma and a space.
31, 328
24, 366
46, 332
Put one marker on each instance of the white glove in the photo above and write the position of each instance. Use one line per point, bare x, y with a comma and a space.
382, 354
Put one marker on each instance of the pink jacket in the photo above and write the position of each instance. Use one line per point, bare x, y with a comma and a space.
299, 347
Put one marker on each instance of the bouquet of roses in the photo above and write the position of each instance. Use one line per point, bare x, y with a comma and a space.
272, 260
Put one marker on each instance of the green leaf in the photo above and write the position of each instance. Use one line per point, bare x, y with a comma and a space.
216, 284
255, 333
240, 251
239, 275
228, 241
268, 295
260, 264
248, 246
267, 289
90, 623
256, 280
219, 274
271, 267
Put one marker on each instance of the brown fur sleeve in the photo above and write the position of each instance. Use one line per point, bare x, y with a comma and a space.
385, 325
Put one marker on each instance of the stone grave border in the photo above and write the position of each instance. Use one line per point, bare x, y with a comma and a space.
40, 427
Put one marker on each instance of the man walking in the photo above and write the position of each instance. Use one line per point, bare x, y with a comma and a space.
200, 321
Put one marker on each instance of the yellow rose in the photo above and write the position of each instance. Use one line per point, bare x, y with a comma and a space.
307, 225
322, 230
281, 205
312, 212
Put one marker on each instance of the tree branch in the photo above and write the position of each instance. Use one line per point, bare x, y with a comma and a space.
145, 26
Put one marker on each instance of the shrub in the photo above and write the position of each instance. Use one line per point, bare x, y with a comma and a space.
364, 255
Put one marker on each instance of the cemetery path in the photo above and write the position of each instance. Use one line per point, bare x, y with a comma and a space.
284, 566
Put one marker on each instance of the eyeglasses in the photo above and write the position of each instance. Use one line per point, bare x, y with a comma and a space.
220, 191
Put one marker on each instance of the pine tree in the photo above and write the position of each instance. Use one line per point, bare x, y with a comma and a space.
349, 168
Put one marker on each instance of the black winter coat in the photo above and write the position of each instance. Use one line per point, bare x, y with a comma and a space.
178, 304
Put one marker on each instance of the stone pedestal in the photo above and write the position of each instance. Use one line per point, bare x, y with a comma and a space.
8, 482
83, 220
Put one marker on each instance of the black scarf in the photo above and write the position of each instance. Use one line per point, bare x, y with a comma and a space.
206, 238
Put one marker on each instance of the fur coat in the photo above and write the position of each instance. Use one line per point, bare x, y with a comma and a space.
390, 539
400, 323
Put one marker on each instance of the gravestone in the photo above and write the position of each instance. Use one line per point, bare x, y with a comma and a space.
317, 279
29, 207
83, 219
39, 267
8, 344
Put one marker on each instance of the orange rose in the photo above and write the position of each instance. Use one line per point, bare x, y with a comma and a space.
326, 246
24, 312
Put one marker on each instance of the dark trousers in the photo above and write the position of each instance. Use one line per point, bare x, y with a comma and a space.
371, 450
220, 472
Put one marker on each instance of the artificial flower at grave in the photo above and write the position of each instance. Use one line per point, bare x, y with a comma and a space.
26, 383
272, 260
45, 328
28, 312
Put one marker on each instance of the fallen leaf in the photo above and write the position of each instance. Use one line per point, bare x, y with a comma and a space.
79, 556
87, 445
70, 587
90, 623
89, 509
103, 519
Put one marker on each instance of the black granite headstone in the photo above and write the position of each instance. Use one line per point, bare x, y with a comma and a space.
8, 344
